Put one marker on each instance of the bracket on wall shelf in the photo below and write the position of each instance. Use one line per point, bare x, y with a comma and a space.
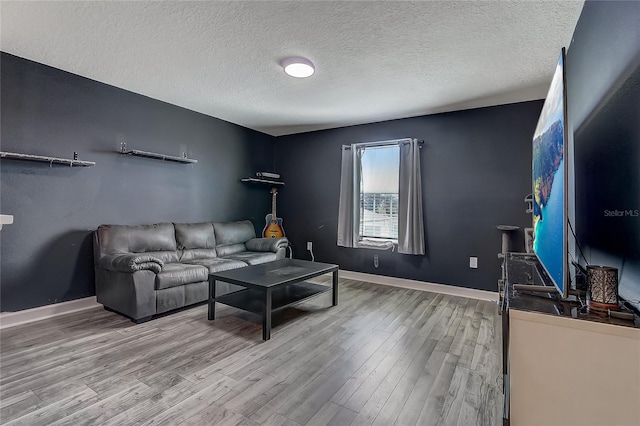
45, 159
163, 157
6, 219
264, 181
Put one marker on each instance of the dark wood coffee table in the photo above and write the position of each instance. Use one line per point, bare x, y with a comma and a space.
271, 286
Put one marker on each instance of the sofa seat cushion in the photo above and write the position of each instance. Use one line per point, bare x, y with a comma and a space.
176, 274
165, 256
194, 254
217, 264
253, 257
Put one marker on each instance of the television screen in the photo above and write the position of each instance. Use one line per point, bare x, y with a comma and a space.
549, 182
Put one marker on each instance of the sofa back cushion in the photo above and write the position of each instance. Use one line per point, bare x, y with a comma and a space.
196, 240
231, 249
233, 232
231, 236
159, 237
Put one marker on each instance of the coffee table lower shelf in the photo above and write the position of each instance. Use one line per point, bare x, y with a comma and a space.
271, 286
253, 300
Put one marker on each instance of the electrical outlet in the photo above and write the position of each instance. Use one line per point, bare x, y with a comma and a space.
376, 263
309, 245
473, 262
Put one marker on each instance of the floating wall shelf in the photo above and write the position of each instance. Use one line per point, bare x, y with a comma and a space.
163, 157
265, 181
44, 159
146, 154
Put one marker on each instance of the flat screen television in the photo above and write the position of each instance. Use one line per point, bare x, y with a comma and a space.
550, 175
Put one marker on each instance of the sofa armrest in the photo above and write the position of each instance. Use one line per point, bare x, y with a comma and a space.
266, 244
131, 263
129, 293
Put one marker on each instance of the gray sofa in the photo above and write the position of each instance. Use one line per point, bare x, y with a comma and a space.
143, 270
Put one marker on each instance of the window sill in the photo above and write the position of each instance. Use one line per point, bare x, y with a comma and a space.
377, 244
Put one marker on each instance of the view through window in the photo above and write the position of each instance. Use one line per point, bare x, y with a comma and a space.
379, 187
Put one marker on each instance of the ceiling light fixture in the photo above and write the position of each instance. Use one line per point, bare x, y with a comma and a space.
298, 67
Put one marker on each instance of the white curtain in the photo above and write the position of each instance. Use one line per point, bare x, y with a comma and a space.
347, 210
410, 222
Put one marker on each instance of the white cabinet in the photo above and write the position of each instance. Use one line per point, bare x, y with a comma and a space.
566, 371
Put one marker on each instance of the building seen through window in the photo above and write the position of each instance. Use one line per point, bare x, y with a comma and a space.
379, 187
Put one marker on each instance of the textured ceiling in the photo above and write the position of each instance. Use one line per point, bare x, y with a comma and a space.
374, 60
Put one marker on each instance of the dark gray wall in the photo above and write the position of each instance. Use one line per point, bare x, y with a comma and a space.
476, 168
603, 84
47, 253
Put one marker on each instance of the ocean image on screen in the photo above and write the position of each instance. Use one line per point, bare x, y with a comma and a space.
548, 182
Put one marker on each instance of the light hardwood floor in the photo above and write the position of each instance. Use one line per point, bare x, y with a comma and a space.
383, 356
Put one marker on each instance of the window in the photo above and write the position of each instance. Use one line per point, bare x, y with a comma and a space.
375, 178
378, 192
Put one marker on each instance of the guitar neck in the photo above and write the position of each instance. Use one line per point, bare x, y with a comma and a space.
273, 205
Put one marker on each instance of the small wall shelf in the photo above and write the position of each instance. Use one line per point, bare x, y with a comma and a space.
263, 181
44, 159
163, 157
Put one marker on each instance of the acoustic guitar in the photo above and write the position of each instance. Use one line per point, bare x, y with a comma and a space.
273, 228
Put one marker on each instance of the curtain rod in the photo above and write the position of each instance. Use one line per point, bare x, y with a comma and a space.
382, 143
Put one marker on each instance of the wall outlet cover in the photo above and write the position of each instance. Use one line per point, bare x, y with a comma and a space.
473, 262
309, 245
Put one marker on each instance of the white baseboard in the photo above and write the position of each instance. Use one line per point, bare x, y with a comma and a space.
421, 285
11, 319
